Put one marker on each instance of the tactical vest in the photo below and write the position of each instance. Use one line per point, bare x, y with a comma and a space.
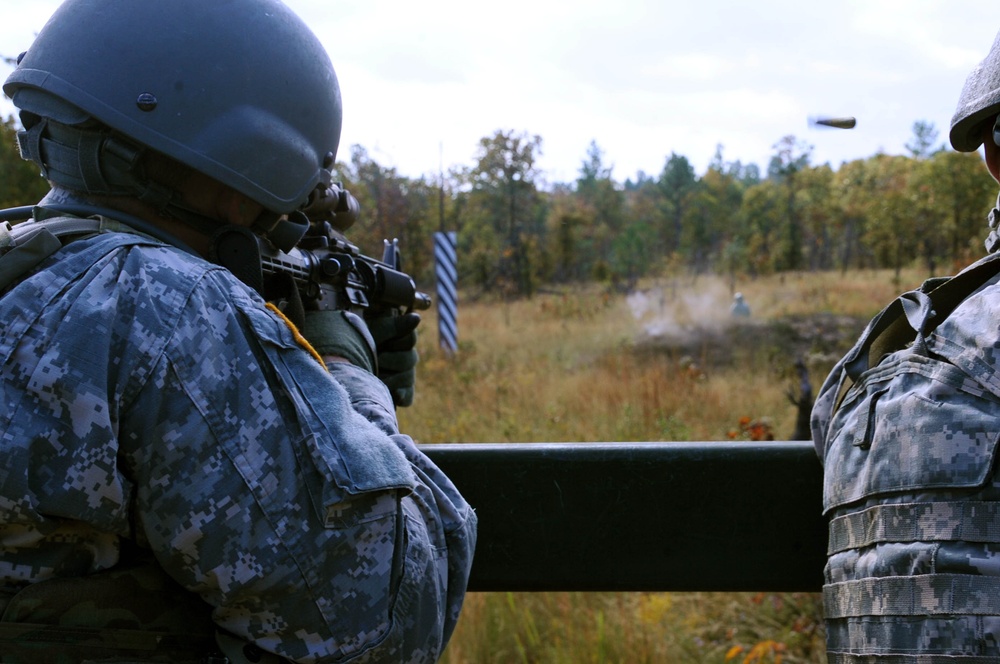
133, 613
908, 424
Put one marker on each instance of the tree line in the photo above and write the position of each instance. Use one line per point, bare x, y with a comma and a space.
518, 233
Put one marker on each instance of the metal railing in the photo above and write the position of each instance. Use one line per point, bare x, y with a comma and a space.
706, 516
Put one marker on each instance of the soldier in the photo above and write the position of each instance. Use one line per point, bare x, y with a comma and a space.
739, 308
187, 477
908, 426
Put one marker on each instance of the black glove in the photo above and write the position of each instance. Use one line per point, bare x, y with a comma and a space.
395, 342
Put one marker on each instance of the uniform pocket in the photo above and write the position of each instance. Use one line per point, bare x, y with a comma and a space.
413, 622
912, 423
349, 455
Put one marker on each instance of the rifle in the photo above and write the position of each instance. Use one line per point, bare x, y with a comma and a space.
326, 270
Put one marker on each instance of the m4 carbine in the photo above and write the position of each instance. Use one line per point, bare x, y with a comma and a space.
326, 270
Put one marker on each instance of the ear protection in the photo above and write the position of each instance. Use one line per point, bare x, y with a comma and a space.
996, 131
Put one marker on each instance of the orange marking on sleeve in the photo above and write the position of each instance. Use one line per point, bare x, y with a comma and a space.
298, 335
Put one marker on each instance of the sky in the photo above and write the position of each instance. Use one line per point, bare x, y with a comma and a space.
423, 82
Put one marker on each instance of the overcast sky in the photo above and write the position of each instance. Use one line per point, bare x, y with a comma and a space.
422, 82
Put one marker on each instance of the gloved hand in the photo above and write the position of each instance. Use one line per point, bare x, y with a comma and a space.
396, 340
340, 333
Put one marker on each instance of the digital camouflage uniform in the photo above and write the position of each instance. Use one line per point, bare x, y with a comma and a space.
153, 406
911, 484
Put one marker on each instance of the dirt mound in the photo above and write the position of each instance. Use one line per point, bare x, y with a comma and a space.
820, 340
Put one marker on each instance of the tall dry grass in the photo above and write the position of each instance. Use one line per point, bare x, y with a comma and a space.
666, 363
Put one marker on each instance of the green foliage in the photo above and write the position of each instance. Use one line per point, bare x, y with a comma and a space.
954, 193
503, 203
518, 234
392, 206
716, 202
676, 184
762, 209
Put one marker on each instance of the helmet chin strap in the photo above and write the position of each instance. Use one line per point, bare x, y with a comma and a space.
102, 163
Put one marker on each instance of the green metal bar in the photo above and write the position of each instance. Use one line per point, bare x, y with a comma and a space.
709, 516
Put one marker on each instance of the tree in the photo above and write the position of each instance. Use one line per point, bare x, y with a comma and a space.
883, 196
761, 210
602, 203
643, 208
631, 254
504, 193
567, 222
715, 205
724, 237
791, 158
593, 169
819, 215
392, 206
924, 136
677, 181
958, 192
849, 196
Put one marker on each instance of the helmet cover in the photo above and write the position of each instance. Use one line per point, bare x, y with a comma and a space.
979, 102
240, 90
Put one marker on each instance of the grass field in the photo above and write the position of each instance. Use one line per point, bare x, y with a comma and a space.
665, 363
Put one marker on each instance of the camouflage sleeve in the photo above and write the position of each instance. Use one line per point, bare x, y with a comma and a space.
315, 533
435, 497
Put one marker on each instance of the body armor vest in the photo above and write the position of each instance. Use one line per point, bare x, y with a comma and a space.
908, 425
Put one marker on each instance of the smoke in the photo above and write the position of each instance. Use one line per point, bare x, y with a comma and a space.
681, 314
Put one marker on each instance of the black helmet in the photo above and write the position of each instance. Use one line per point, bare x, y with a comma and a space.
979, 103
240, 90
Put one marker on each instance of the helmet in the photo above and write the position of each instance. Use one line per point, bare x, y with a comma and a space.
239, 90
979, 102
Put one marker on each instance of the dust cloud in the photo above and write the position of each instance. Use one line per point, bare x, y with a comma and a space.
682, 314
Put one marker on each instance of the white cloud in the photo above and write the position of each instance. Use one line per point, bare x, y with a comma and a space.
423, 82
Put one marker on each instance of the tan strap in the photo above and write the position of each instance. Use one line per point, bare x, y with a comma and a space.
925, 594
966, 521
922, 658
